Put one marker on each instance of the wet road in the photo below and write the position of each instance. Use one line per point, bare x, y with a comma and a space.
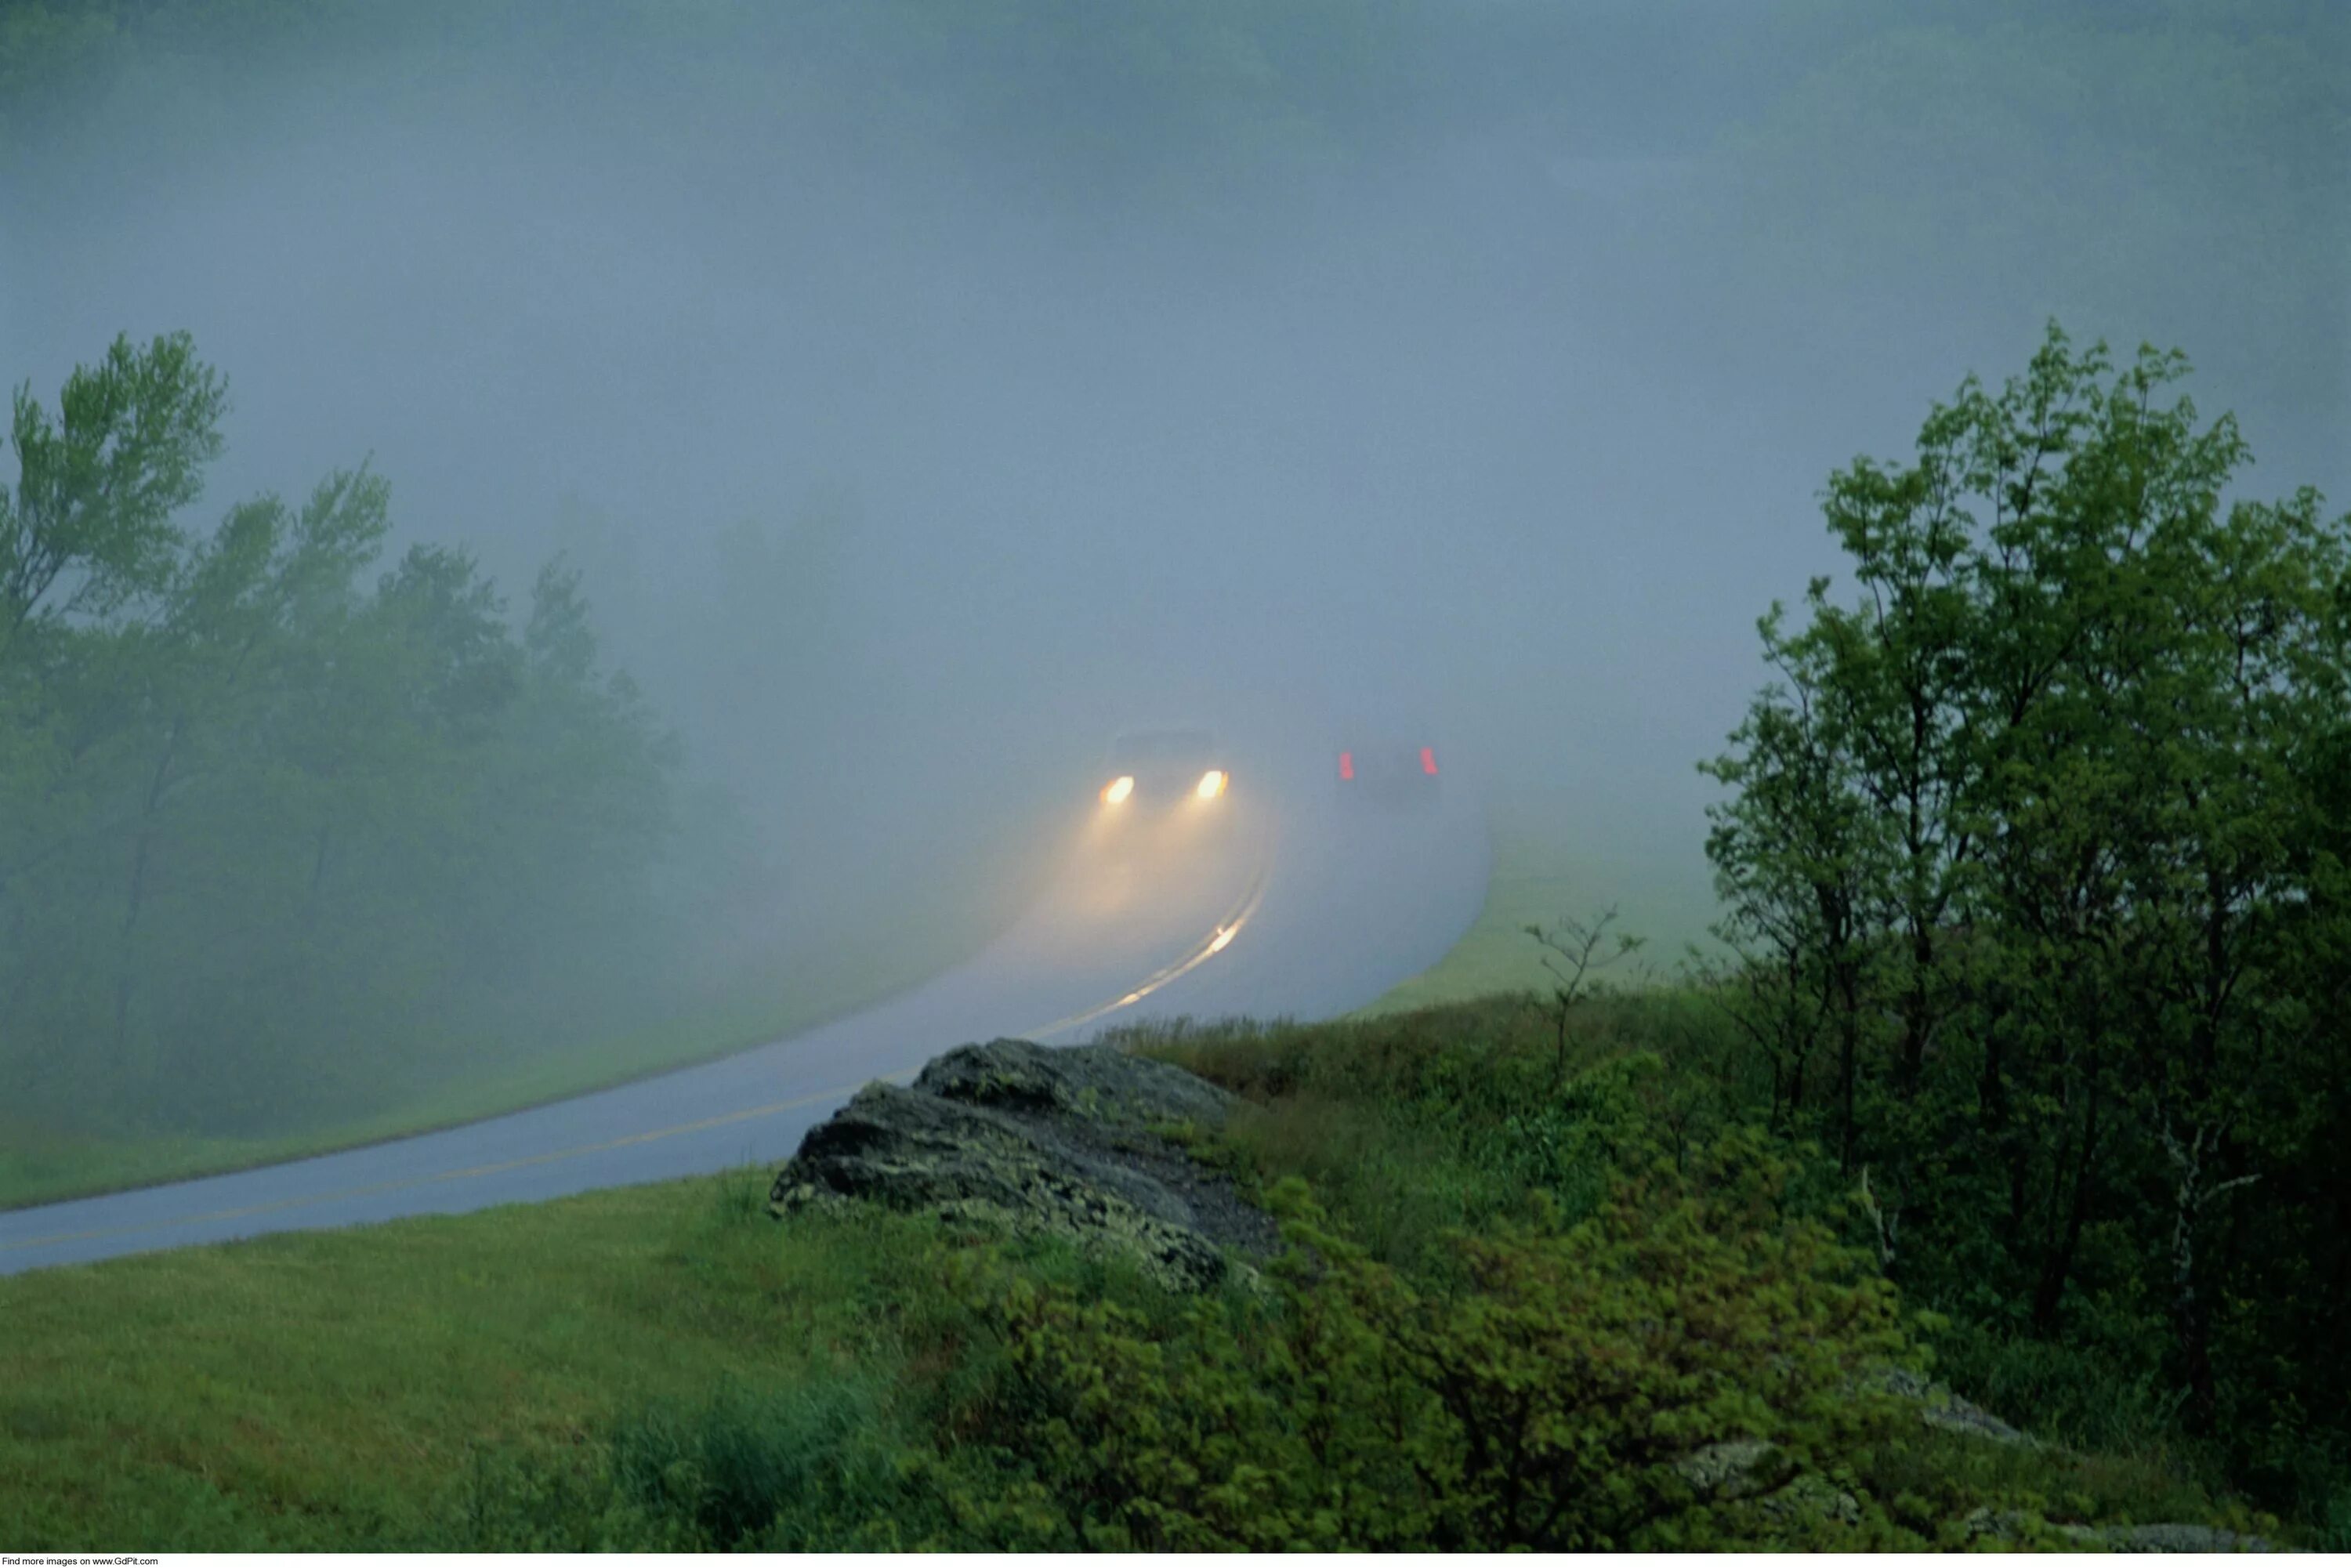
1306, 915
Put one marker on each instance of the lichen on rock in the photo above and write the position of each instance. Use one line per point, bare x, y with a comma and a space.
1059, 1143
2001, 1525
1946, 1411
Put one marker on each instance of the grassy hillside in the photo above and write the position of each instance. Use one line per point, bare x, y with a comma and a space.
668, 1366
1538, 879
319, 1391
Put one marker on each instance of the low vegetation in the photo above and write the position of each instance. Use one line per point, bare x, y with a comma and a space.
2017, 1069
1513, 1310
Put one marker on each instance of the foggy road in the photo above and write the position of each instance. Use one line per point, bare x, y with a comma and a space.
1306, 915
635, 572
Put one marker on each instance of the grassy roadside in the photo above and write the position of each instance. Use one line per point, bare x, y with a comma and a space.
1536, 881
45, 1165
309, 1391
859, 969
664, 1366
37, 1166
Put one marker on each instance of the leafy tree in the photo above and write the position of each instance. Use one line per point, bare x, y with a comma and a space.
278, 843
88, 530
1573, 955
2041, 828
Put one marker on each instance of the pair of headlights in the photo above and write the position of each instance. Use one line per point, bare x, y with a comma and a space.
1212, 785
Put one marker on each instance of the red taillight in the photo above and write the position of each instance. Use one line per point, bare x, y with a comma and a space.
1428, 760
1346, 764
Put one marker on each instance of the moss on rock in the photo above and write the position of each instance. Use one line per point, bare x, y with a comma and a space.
1055, 1143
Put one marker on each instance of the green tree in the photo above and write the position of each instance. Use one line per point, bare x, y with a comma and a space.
276, 843
88, 529
2045, 819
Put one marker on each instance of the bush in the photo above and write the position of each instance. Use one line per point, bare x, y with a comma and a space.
808, 1469
510, 1501
822, 1467
1570, 1396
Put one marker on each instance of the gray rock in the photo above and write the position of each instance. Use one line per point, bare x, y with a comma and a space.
1045, 1142
1728, 1471
1999, 1526
1941, 1408
2182, 1538
1811, 1496
1749, 1468
1098, 1083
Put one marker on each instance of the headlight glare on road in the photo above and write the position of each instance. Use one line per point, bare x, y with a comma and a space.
1118, 790
1212, 784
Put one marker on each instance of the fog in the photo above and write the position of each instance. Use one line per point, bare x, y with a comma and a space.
911, 449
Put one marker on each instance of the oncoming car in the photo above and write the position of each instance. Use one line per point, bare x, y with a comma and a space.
1159, 770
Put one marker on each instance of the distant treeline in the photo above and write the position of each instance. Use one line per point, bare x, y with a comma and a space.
285, 827
2038, 855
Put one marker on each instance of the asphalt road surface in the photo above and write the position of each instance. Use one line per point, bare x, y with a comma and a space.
1305, 916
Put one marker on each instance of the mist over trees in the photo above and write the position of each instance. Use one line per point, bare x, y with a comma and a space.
1059, 360
289, 829
1455, 319
910, 394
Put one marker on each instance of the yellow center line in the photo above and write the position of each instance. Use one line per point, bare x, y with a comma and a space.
1216, 944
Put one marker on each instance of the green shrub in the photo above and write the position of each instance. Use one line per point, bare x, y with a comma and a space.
1564, 1398
510, 1501
2335, 1529
2059, 1392
801, 1469
821, 1466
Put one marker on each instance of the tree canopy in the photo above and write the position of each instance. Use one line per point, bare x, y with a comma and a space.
275, 837
2035, 853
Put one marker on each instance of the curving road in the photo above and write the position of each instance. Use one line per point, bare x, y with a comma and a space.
1305, 914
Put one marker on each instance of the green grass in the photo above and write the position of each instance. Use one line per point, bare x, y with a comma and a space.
2066, 1487
1412, 1123
351, 1389
1539, 876
302, 1391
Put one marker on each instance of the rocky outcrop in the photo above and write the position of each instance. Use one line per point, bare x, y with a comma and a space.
1986, 1525
1072, 1143
1067, 1143
1747, 1468
1946, 1411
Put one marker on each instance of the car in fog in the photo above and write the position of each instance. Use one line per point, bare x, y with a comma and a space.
1387, 774
1155, 771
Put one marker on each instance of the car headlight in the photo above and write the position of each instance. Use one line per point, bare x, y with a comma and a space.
1118, 790
1212, 784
